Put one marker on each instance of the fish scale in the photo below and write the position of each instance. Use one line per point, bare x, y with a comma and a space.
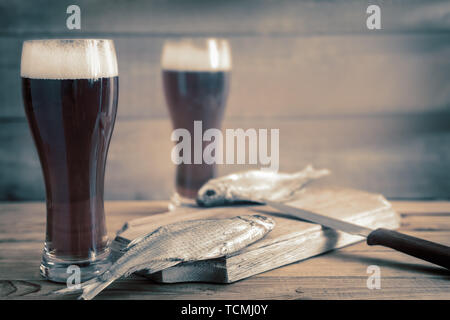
255, 185
181, 242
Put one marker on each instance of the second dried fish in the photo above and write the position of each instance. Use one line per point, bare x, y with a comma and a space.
255, 185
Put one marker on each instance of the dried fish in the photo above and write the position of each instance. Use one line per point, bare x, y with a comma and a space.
255, 185
181, 242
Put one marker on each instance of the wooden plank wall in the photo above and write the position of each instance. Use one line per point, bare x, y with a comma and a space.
373, 106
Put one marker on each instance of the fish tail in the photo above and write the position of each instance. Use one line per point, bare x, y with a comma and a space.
307, 175
75, 288
94, 288
90, 288
311, 173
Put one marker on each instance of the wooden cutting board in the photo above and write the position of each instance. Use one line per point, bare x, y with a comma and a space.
290, 241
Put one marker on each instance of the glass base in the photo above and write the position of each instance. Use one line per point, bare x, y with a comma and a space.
56, 270
177, 201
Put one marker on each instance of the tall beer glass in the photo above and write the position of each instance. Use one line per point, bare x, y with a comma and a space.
196, 77
70, 91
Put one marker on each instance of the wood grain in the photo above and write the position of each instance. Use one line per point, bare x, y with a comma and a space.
290, 241
232, 17
340, 274
310, 68
400, 157
341, 75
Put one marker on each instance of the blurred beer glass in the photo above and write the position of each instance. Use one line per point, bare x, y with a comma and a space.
196, 76
70, 91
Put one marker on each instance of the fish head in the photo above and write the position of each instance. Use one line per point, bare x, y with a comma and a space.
263, 222
212, 194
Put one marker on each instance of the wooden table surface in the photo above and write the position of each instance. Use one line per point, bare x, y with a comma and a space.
341, 274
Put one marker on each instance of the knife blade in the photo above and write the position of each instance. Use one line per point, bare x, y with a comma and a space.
423, 249
320, 219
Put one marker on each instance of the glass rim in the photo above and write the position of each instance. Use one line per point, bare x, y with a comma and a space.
69, 58
196, 54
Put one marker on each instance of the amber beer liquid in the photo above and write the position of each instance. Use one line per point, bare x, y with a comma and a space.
71, 108
193, 96
196, 78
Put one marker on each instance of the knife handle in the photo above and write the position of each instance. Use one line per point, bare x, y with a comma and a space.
426, 250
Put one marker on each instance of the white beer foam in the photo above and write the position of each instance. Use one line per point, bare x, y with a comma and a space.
186, 56
68, 59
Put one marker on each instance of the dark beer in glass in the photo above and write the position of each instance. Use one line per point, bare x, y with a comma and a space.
196, 78
70, 91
